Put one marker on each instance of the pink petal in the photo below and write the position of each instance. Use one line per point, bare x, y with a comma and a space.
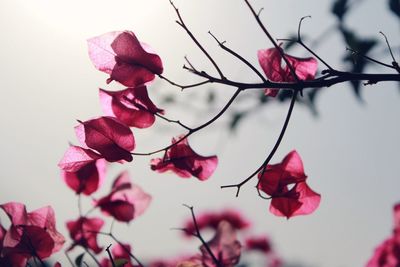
258, 243
129, 49
212, 220
182, 160
305, 68
300, 200
87, 179
126, 200
100, 52
46, 219
16, 212
271, 62
131, 106
122, 56
84, 232
277, 176
77, 157
111, 138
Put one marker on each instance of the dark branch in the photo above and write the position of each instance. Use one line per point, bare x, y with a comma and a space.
274, 149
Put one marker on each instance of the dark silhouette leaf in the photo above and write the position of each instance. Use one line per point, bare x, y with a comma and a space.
339, 8
358, 63
394, 6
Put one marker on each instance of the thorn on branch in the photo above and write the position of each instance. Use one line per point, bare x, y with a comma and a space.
259, 12
354, 52
394, 62
299, 27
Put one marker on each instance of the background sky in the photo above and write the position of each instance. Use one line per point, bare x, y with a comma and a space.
350, 151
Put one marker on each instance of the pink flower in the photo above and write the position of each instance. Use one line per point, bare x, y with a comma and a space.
224, 246
121, 55
182, 160
87, 179
271, 62
82, 169
258, 243
212, 220
126, 200
84, 231
110, 137
131, 106
30, 234
276, 182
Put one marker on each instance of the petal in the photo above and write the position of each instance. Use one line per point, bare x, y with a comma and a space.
127, 48
121, 55
77, 157
131, 106
88, 179
16, 212
182, 160
300, 200
100, 52
111, 138
305, 68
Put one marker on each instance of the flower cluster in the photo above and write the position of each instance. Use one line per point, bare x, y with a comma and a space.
224, 247
30, 235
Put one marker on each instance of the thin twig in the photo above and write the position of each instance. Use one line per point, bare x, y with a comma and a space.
291, 68
183, 25
224, 47
300, 41
183, 87
394, 62
274, 149
69, 258
369, 58
193, 130
199, 236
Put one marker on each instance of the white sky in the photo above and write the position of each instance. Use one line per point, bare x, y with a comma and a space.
350, 152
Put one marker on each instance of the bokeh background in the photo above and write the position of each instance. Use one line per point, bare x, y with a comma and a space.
350, 149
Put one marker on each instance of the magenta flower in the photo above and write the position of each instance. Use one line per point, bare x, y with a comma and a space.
87, 179
84, 232
82, 169
271, 62
121, 55
182, 160
108, 136
126, 200
259, 243
31, 234
276, 182
131, 106
212, 219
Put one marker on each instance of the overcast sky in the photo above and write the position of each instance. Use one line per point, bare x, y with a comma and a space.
350, 151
